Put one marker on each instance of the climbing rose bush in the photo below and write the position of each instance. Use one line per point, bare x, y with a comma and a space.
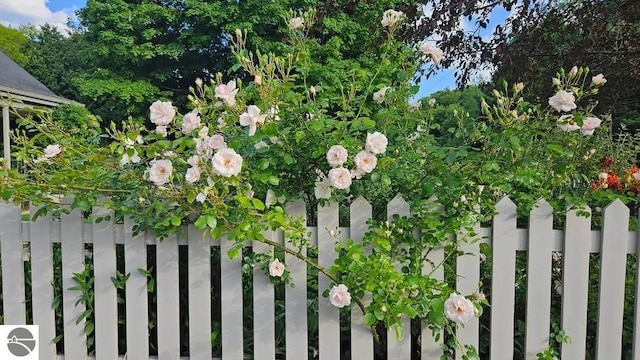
276, 129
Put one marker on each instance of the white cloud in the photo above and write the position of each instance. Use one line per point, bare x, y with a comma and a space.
15, 13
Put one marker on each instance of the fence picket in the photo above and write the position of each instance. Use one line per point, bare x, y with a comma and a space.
199, 274
613, 267
71, 236
328, 315
503, 280
13, 281
429, 346
399, 349
468, 271
263, 305
41, 285
135, 256
539, 279
296, 297
106, 297
231, 274
168, 298
575, 281
361, 336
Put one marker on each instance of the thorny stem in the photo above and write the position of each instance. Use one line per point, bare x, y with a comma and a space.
323, 270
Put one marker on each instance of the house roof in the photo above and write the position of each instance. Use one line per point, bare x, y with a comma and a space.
15, 80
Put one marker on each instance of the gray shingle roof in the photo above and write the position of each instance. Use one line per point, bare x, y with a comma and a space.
15, 77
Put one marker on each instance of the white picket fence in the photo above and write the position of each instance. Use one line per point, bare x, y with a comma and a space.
576, 243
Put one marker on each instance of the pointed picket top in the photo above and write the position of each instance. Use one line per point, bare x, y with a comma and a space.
505, 205
616, 206
297, 208
542, 207
397, 206
359, 203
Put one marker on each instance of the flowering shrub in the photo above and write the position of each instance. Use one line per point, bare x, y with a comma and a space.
267, 136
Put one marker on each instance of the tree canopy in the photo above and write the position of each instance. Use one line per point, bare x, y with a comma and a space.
14, 43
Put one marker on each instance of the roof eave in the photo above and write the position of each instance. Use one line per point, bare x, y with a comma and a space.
32, 98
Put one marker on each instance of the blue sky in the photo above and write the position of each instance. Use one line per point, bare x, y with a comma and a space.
15, 13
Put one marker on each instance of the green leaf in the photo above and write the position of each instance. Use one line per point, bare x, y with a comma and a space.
212, 222
257, 203
233, 253
201, 222
370, 319
274, 180
176, 221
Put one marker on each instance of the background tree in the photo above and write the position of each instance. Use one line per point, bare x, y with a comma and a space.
600, 35
14, 43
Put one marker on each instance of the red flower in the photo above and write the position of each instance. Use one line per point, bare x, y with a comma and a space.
606, 161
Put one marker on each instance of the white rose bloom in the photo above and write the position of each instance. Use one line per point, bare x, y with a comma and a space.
215, 142
598, 80
160, 172
365, 161
563, 101
339, 296
337, 155
391, 17
296, 23
162, 113
323, 189
459, 309
193, 160
589, 125
190, 121
432, 51
201, 197
251, 118
192, 175
52, 150
226, 162
276, 268
340, 178
380, 95
376, 143
227, 92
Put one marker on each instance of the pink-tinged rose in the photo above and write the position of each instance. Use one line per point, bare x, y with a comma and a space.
296, 23
160, 172
573, 71
337, 155
227, 92
323, 189
340, 178
192, 175
339, 296
589, 125
376, 143
432, 51
380, 95
276, 268
459, 309
226, 162
391, 17
161, 130
566, 123
52, 150
598, 80
563, 101
365, 161
190, 121
215, 141
162, 113
251, 118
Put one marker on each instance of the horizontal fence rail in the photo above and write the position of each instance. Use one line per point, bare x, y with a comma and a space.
183, 298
